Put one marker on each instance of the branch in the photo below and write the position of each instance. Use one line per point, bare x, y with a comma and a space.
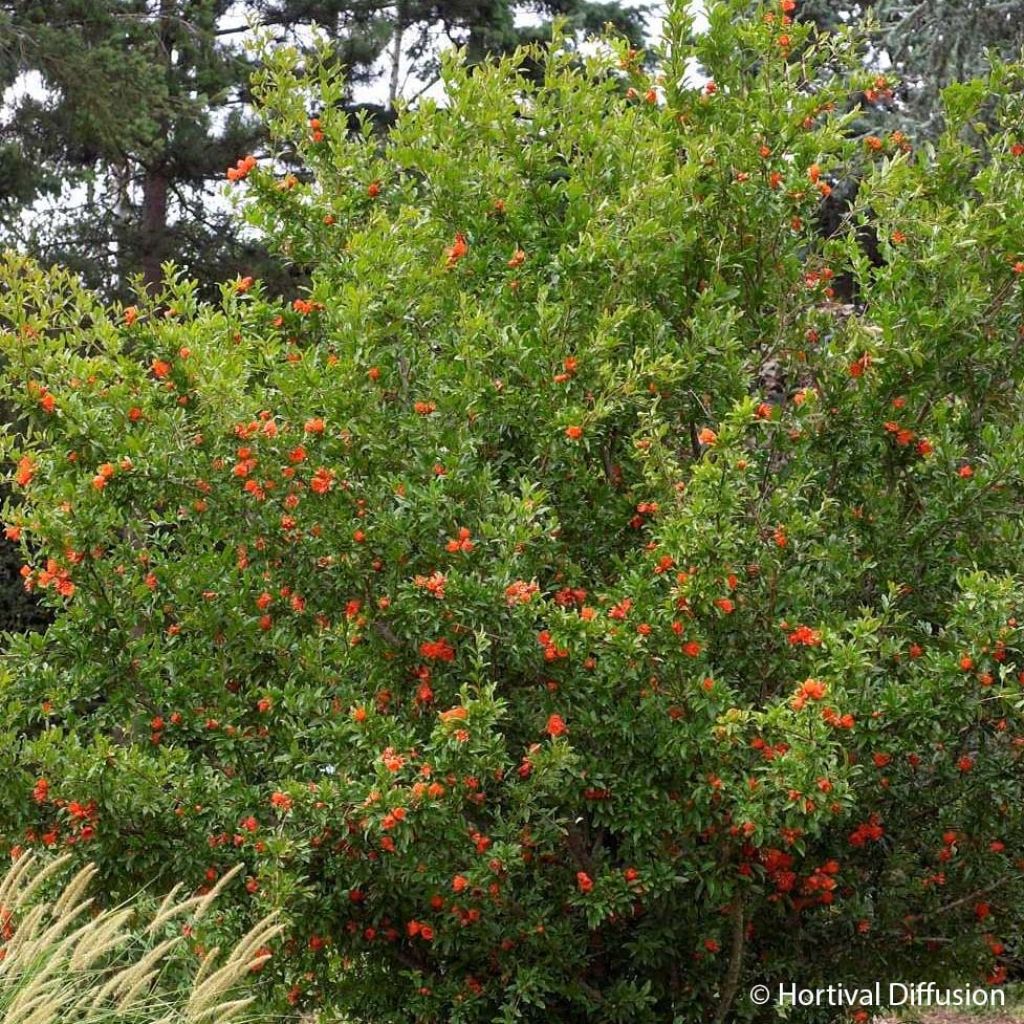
970, 897
732, 975
606, 456
574, 841
385, 631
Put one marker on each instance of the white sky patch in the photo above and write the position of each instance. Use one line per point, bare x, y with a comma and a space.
30, 83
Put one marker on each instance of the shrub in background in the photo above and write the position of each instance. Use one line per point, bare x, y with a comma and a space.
566, 610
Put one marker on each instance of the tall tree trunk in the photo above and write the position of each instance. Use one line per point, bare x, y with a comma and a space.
396, 54
153, 233
156, 183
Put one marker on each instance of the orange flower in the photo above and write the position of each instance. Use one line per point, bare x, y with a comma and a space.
103, 475
570, 364
241, 169
858, 366
461, 543
281, 801
391, 760
456, 250
836, 720
811, 689
160, 369
322, 481
804, 636
437, 650
433, 584
26, 470
707, 436
574, 433
555, 726
520, 592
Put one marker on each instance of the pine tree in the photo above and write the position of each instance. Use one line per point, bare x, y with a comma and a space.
142, 106
928, 45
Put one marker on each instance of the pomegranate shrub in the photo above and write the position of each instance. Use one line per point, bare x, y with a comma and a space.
566, 608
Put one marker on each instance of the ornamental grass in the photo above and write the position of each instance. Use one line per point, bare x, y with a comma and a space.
64, 958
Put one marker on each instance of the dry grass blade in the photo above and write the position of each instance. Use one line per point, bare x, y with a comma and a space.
217, 890
37, 881
210, 992
74, 890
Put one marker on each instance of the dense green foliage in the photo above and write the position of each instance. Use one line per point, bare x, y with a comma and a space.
565, 610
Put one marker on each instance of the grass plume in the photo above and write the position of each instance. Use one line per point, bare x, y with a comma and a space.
61, 960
